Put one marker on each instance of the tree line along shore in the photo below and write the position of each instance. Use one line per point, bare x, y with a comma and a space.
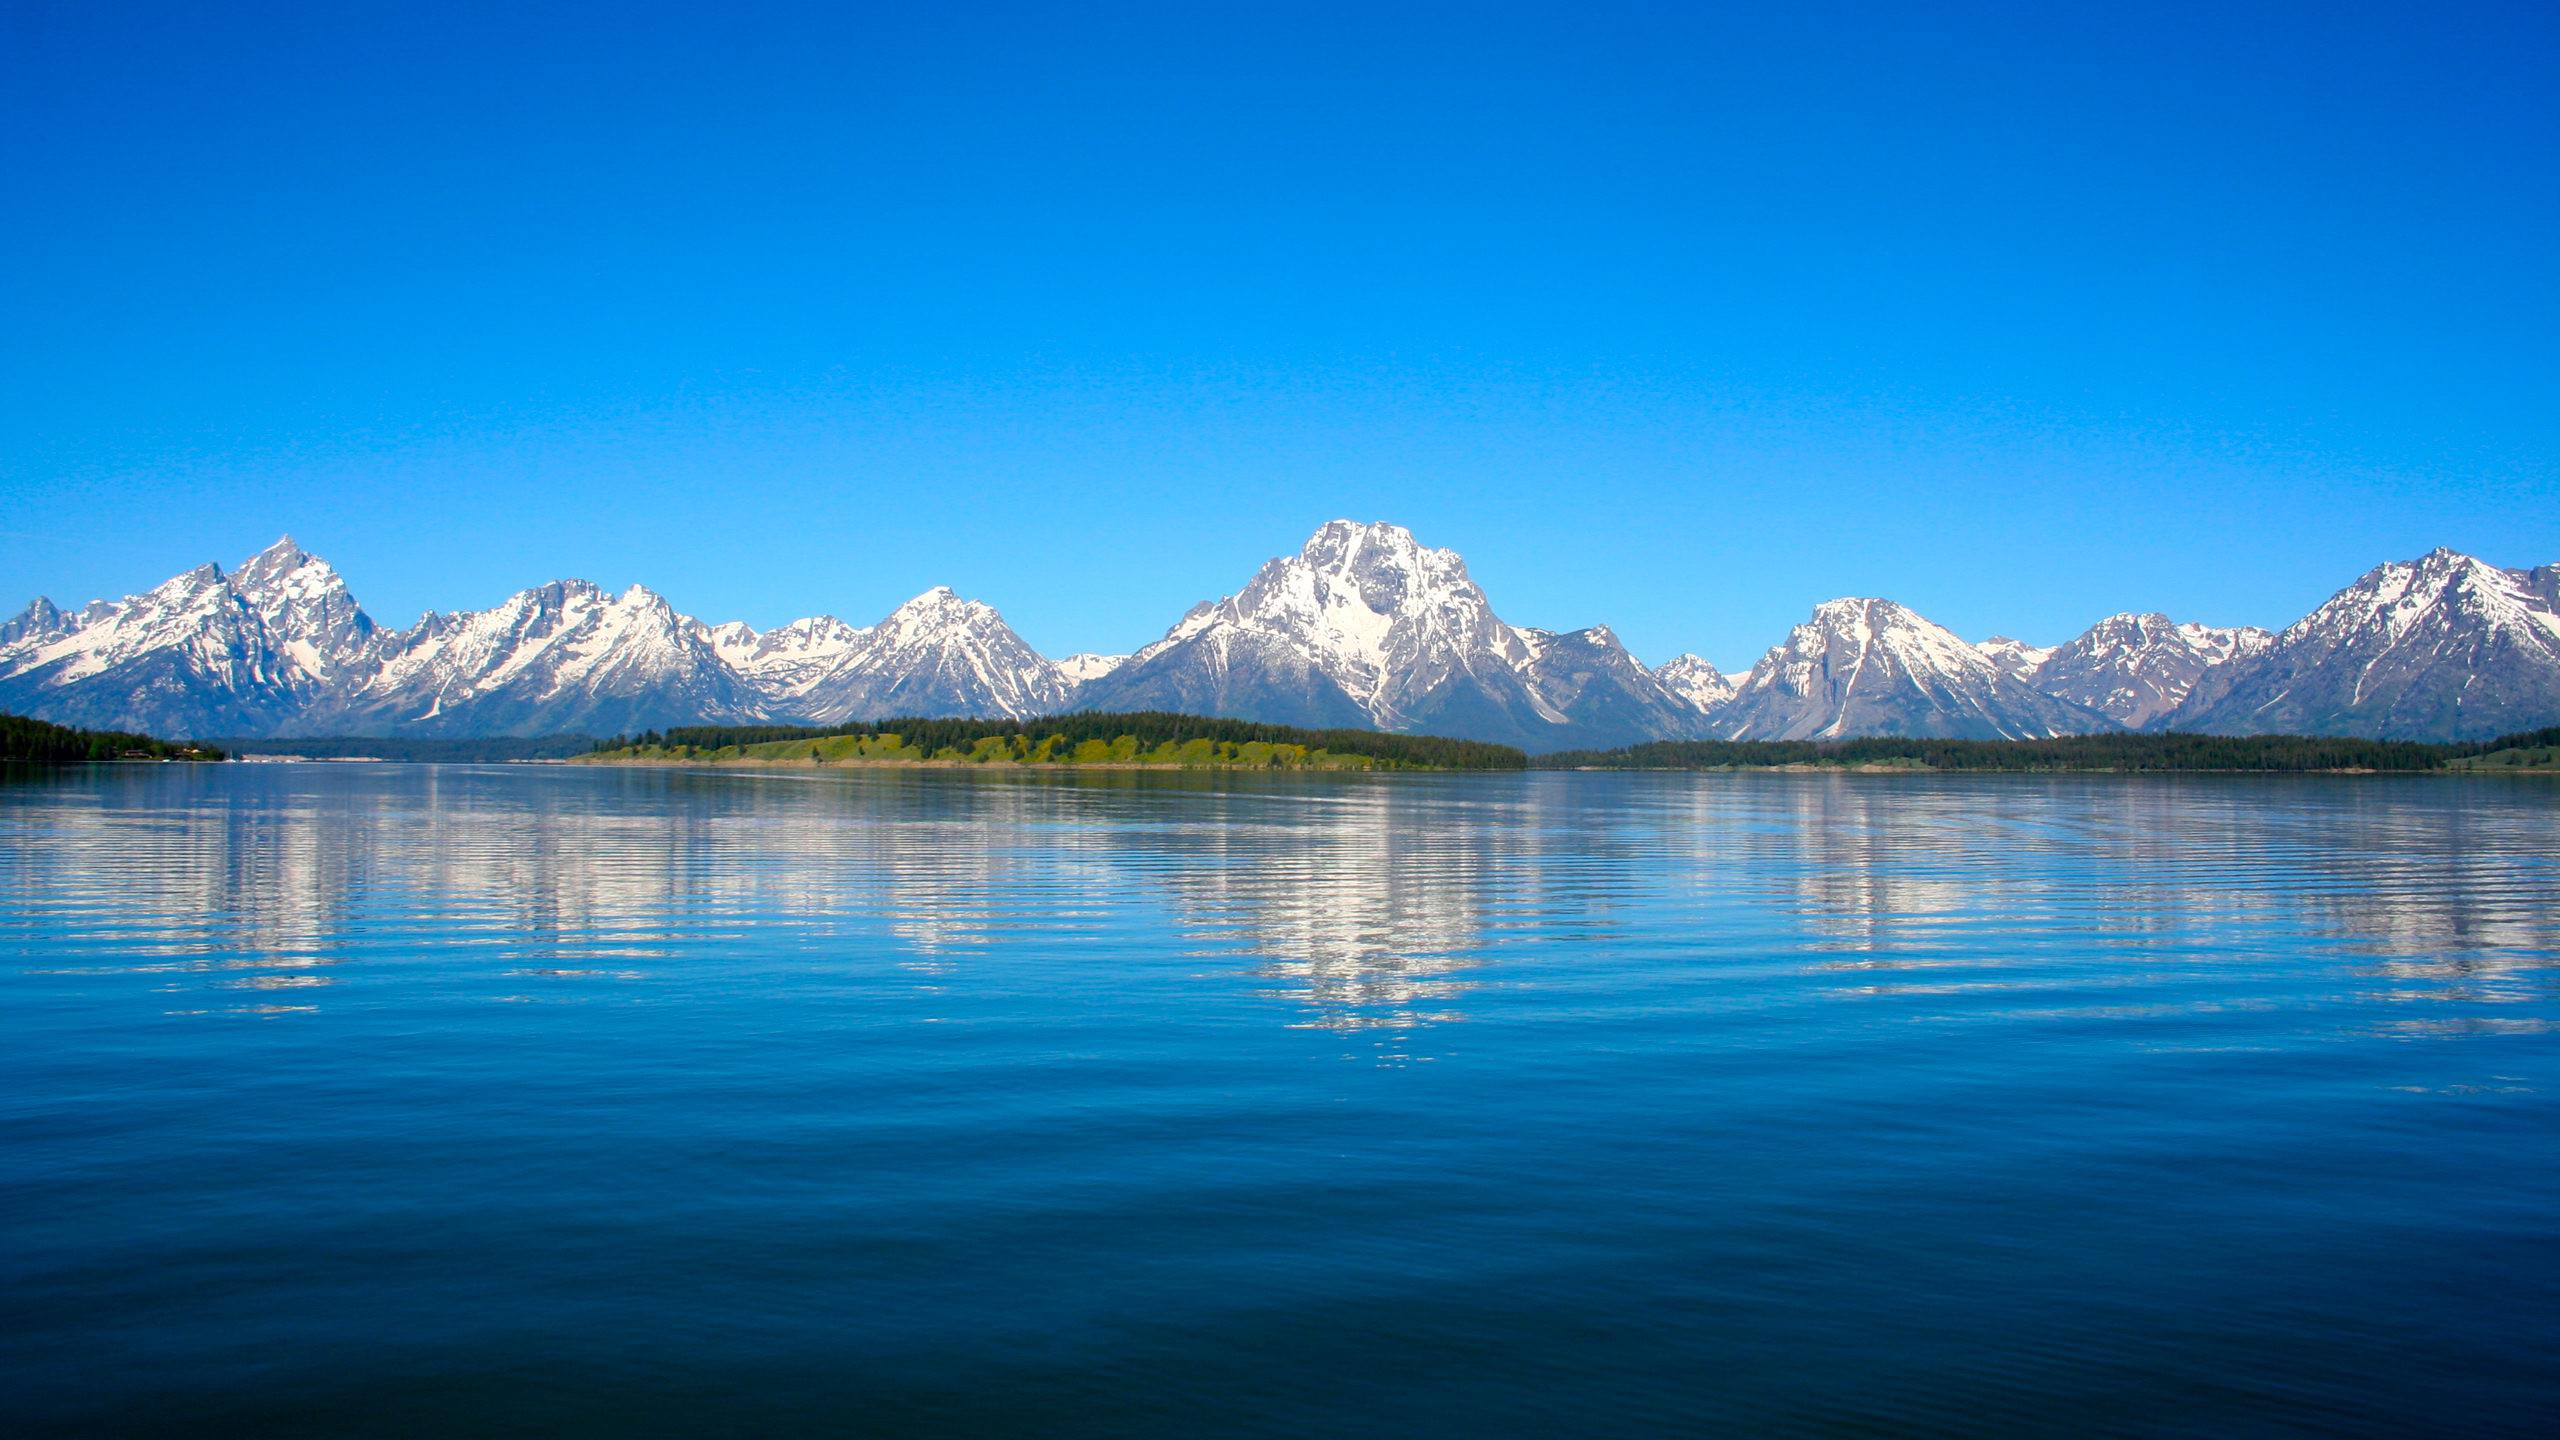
24, 741
1192, 742
1141, 740
1166, 740
2116, 753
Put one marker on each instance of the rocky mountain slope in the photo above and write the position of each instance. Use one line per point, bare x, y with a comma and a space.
1692, 679
2442, 647
202, 653
2137, 669
1365, 626
1865, 666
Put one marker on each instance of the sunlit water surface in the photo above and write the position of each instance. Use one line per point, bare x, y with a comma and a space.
467, 1101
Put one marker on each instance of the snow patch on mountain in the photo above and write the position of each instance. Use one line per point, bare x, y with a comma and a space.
2138, 669
1367, 626
2015, 657
2443, 646
1702, 685
1086, 666
1865, 666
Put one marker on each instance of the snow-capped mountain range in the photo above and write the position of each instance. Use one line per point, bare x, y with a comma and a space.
1364, 626
1367, 627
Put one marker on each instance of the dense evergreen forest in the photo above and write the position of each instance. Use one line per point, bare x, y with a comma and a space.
2114, 753
38, 742
1143, 738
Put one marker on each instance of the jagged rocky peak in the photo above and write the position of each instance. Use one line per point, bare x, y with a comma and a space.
937, 612
939, 653
41, 620
2136, 669
1692, 679
1365, 595
2443, 646
558, 657
1869, 666
1086, 666
1367, 626
200, 653
2018, 658
308, 608
275, 563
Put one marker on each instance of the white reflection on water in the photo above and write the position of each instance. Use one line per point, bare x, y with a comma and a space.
1358, 905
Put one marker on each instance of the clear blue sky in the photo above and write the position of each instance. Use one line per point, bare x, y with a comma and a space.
1678, 318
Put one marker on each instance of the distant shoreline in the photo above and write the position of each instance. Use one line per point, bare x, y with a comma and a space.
762, 763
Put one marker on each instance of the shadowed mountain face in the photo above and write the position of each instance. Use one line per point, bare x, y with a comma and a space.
2441, 647
1364, 627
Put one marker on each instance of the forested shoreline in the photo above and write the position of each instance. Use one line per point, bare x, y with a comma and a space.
25, 741
1138, 739
1154, 739
2121, 754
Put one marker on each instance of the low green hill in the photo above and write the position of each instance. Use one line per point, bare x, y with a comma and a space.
1145, 738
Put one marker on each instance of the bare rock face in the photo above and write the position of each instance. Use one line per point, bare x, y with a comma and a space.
1692, 679
2137, 669
202, 653
1872, 667
2443, 647
2016, 657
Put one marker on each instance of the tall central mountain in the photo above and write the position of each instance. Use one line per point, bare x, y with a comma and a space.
1365, 626
1871, 667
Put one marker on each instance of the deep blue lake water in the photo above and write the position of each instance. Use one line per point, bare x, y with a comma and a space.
359, 1099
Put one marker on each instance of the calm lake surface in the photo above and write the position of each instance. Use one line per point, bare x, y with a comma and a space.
465, 1101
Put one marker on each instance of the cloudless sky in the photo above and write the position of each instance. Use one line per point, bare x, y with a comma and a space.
1679, 318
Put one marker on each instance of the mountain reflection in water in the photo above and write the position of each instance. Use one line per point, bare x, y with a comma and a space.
543, 1100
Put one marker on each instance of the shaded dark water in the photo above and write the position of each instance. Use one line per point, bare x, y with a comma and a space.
367, 1099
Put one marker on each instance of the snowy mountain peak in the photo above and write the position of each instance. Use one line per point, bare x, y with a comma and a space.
2137, 668
2443, 645
41, 619
1365, 625
1088, 666
208, 650
937, 614
1868, 666
1338, 544
1692, 679
2016, 658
